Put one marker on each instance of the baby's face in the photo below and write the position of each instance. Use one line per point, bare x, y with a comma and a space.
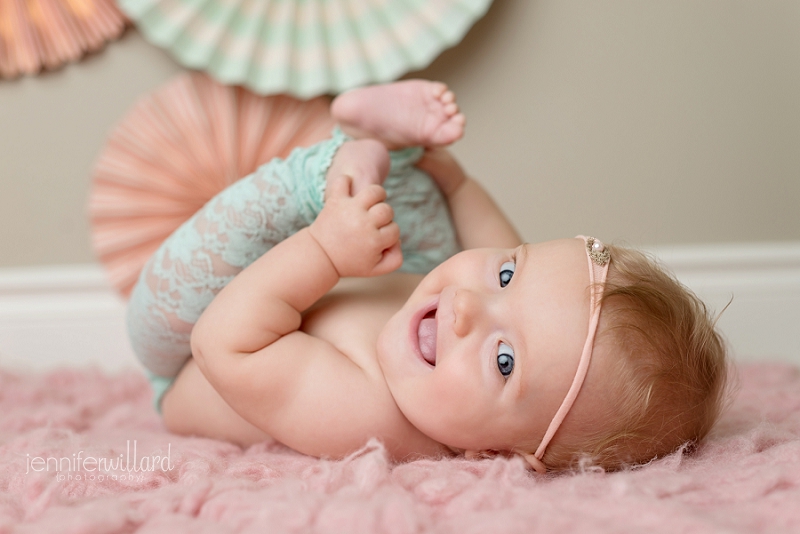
484, 351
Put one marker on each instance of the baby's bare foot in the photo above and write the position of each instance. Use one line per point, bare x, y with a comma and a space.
401, 114
365, 162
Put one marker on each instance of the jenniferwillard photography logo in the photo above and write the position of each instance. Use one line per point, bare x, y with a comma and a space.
128, 466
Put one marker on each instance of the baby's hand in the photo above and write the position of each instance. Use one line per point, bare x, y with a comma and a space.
357, 233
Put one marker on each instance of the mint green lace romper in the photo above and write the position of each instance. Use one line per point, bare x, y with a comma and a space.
247, 219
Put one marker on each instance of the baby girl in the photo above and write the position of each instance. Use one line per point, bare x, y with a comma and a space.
277, 311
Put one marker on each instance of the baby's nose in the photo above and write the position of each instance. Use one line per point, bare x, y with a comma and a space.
467, 308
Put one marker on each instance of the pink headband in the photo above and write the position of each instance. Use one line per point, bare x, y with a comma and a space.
599, 259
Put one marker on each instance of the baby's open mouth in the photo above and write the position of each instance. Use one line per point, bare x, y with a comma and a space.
427, 337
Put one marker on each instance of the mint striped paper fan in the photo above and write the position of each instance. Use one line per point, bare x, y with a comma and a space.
304, 47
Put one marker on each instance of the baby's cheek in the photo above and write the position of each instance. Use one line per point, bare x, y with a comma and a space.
456, 394
455, 417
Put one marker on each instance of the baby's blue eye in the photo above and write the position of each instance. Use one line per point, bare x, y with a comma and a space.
506, 272
505, 359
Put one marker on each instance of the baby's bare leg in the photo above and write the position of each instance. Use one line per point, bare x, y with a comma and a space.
401, 114
365, 162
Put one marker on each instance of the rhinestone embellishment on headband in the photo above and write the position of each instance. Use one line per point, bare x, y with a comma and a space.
597, 251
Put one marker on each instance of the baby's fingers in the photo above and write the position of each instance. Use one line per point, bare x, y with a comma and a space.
370, 195
389, 235
391, 260
381, 214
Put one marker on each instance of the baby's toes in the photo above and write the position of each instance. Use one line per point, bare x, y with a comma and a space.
450, 109
448, 103
449, 131
438, 89
382, 214
448, 97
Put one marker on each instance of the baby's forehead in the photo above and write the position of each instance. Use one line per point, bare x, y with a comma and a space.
558, 250
561, 264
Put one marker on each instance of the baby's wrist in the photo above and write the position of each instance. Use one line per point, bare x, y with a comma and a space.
444, 169
455, 186
319, 241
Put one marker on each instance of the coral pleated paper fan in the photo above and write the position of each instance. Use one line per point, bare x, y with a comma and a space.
45, 34
175, 150
304, 47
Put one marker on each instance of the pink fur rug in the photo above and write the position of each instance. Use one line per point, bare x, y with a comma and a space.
61, 434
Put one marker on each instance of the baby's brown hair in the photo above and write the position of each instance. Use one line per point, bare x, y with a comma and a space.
669, 369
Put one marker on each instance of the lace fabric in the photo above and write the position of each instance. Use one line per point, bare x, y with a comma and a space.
247, 219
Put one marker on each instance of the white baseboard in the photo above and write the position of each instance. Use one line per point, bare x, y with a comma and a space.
762, 283
69, 315
64, 315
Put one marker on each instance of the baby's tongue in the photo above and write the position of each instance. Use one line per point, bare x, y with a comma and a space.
427, 339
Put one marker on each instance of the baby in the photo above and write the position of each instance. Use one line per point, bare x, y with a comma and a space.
276, 311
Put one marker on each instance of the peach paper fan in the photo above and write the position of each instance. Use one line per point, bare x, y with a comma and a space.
45, 34
175, 150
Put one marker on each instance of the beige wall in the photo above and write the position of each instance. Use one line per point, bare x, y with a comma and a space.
650, 122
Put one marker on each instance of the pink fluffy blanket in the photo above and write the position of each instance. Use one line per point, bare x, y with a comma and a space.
82, 452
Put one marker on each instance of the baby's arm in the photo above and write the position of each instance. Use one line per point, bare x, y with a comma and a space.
478, 220
248, 345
